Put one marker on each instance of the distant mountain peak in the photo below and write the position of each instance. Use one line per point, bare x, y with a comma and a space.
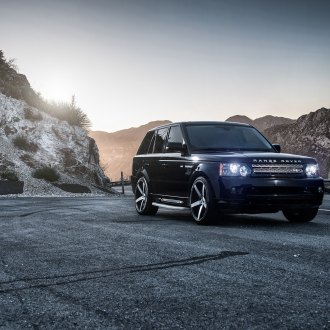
240, 119
261, 123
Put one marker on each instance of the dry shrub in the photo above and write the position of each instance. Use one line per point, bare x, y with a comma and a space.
46, 173
21, 142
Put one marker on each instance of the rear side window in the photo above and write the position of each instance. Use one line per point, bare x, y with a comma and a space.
145, 143
160, 140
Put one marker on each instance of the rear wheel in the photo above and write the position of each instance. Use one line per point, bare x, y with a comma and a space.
201, 201
143, 202
303, 215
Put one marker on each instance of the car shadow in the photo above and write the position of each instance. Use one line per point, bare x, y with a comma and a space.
224, 220
246, 221
252, 220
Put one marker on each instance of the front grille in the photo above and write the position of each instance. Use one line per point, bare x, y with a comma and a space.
272, 169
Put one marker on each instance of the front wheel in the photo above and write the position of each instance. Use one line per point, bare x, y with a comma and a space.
303, 215
201, 201
143, 202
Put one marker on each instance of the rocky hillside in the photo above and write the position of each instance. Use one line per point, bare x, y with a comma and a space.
31, 140
262, 123
15, 84
118, 149
309, 135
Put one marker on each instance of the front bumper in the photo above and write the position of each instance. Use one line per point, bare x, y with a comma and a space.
269, 194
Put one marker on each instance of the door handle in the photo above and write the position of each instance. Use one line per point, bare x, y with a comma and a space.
146, 164
164, 165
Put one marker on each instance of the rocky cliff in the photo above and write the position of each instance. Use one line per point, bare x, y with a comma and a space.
32, 140
309, 135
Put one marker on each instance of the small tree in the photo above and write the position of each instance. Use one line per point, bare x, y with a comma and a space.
11, 63
76, 116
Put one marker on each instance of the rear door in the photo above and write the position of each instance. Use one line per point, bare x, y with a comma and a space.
142, 155
153, 165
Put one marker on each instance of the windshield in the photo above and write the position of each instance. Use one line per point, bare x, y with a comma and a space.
214, 137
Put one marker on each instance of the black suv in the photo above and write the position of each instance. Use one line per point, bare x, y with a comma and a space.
231, 167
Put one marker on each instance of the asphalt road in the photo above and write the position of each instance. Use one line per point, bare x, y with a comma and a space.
93, 263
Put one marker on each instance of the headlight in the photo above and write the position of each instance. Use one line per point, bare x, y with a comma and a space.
312, 170
234, 169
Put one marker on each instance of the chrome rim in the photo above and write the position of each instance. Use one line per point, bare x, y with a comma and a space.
141, 194
198, 200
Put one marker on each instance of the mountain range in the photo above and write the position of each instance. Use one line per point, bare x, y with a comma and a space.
262, 123
308, 135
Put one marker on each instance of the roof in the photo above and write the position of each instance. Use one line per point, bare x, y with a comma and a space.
229, 123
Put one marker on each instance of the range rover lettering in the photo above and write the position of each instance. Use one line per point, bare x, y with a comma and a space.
209, 167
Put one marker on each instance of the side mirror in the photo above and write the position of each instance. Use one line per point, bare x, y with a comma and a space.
277, 147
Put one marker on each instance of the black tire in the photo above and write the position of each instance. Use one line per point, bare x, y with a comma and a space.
143, 202
303, 215
201, 202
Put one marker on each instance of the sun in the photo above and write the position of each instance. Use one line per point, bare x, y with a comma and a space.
59, 87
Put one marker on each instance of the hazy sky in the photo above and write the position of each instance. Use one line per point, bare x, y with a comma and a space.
132, 61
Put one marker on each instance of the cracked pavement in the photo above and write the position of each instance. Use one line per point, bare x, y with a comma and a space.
93, 263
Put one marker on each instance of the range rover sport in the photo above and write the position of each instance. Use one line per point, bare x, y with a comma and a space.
209, 167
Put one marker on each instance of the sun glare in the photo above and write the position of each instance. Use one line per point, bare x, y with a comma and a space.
59, 88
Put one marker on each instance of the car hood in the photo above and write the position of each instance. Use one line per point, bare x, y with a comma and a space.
254, 157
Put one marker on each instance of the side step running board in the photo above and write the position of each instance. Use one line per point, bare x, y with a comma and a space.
172, 207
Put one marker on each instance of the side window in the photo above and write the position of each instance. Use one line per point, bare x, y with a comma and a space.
160, 139
152, 143
175, 135
145, 143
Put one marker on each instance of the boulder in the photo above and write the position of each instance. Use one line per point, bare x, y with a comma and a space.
11, 187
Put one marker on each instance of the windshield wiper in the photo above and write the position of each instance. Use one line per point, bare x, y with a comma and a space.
213, 149
231, 149
254, 149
